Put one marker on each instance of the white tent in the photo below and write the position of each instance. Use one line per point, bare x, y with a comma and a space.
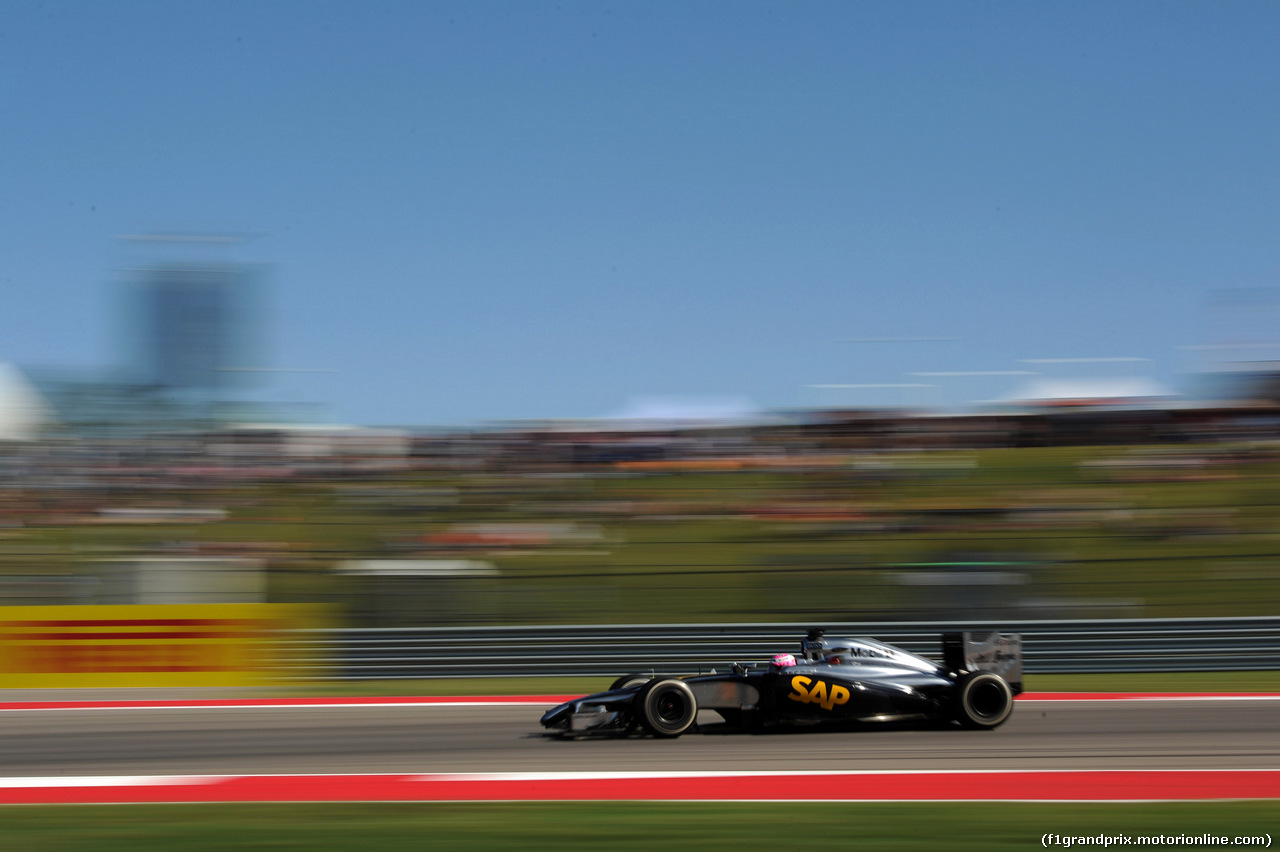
23, 411
1095, 391
685, 413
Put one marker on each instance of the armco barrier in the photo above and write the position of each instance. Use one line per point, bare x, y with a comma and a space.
1208, 644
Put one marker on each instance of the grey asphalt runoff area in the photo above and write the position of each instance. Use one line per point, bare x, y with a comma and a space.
1175, 734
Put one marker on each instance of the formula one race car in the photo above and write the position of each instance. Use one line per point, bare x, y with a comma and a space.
852, 680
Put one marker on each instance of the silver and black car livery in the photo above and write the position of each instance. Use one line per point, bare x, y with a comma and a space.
831, 680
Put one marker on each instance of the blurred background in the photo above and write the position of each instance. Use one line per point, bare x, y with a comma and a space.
1045, 508
508, 314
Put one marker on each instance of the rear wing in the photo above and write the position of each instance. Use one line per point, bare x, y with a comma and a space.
987, 651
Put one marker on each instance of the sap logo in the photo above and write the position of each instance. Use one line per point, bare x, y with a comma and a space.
820, 694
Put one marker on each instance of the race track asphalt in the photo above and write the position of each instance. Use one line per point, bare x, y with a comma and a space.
1171, 734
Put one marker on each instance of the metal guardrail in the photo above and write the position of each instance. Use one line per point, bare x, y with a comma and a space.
1141, 645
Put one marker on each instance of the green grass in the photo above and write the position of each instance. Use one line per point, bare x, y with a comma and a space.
610, 826
693, 546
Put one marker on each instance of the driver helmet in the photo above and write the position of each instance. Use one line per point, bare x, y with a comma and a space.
783, 660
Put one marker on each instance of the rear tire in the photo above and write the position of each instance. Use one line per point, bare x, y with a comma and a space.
666, 707
983, 700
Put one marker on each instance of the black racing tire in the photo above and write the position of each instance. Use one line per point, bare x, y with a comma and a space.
983, 700
633, 679
666, 707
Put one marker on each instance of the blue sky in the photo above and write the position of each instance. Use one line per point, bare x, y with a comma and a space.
481, 212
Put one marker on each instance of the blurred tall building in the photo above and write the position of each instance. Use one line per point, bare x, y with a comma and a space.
190, 352
193, 328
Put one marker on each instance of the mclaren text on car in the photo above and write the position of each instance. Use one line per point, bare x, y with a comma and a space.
832, 680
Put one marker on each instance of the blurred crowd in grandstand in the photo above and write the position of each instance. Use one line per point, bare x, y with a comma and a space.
328, 514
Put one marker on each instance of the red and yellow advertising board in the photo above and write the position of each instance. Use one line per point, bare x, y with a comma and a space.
192, 645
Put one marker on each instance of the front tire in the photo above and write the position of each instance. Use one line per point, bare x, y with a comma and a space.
983, 700
666, 707
628, 680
